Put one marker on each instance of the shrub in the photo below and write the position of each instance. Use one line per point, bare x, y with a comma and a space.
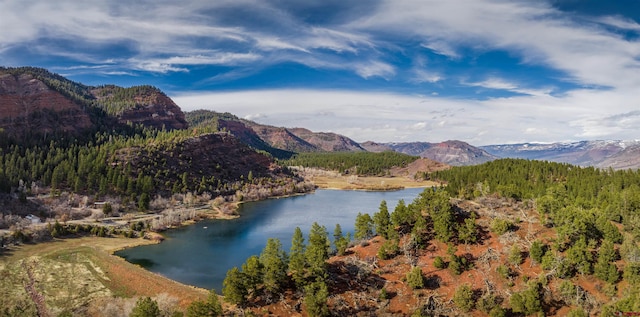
501, 226
463, 298
145, 307
487, 303
439, 263
415, 279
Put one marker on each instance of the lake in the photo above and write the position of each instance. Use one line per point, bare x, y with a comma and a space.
201, 254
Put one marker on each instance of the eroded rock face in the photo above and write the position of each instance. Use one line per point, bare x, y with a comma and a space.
28, 106
156, 110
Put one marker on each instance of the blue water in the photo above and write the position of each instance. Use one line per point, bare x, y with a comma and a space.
201, 254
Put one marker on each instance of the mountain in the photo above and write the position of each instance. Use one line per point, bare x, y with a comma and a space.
125, 143
454, 153
278, 141
602, 154
35, 103
327, 141
31, 105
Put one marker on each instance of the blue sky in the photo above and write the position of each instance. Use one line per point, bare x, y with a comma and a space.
480, 71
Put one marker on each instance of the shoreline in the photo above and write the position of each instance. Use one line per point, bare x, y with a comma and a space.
123, 278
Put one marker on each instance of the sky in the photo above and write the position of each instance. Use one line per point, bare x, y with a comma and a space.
481, 71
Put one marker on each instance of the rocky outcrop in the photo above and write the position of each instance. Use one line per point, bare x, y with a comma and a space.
29, 107
36, 104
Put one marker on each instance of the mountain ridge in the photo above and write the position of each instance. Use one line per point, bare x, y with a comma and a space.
616, 154
451, 152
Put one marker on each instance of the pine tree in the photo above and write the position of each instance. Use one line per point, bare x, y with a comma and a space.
233, 287
605, 268
253, 273
468, 232
297, 260
274, 261
382, 220
317, 252
363, 227
340, 241
536, 251
315, 299
442, 216
515, 255
401, 217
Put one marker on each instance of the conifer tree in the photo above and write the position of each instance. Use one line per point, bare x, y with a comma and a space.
536, 251
415, 279
463, 298
382, 220
339, 240
605, 268
315, 299
234, 288
253, 272
317, 251
297, 260
274, 261
468, 231
363, 227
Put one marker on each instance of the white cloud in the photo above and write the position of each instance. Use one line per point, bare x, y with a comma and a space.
501, 84
535, 31
441, 47
423, 76
375, 69
163, 65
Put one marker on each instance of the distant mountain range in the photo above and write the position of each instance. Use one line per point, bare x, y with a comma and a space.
602, 154
454, 153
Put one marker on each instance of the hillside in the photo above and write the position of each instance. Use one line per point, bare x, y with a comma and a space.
564, 245
199, 119
130, 146
144, 105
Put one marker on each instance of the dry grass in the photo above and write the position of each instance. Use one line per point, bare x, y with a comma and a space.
83, 275
368, 183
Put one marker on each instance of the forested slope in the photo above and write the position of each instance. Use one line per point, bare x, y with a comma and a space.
357, 163
505, 238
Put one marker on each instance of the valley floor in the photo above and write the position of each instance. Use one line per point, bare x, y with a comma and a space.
368, 183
